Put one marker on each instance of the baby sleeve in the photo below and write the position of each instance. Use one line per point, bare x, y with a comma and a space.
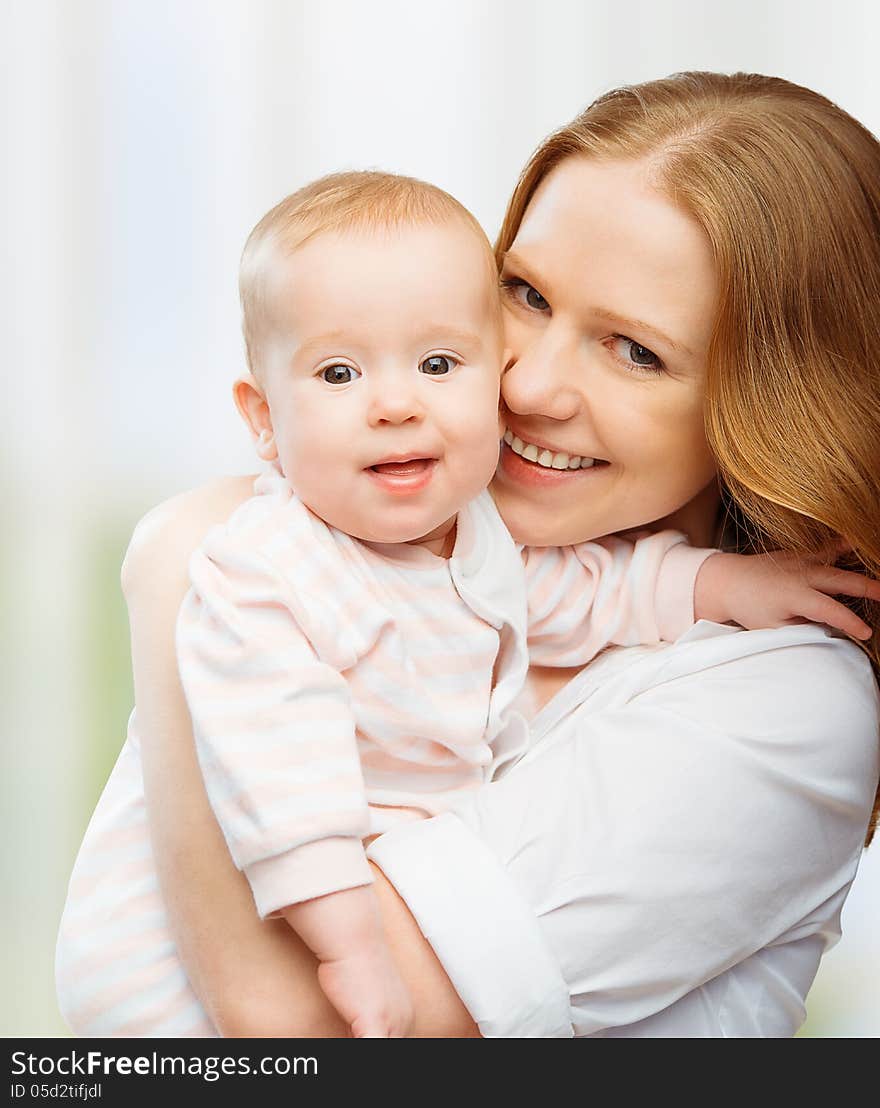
274, 731
615, 590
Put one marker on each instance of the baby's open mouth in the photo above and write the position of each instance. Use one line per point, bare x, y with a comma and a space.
549, 459
410, 468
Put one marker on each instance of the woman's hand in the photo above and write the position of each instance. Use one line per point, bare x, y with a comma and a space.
769, 590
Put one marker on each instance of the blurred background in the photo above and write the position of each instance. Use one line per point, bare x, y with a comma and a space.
141, 140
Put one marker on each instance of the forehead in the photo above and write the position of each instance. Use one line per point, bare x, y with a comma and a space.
375, 276
608, 239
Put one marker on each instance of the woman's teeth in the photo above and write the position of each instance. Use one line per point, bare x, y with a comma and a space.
545, 458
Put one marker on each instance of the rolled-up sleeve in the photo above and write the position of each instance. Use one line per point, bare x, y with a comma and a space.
700, 808
482, 929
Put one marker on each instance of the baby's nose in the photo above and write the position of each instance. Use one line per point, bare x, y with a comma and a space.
397, 403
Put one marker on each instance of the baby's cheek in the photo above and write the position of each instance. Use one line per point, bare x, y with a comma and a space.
480, 456
312, 478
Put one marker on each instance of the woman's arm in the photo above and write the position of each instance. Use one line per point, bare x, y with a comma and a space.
685, 816
254, 978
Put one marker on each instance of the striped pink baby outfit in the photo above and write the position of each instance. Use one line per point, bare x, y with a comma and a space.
338, 687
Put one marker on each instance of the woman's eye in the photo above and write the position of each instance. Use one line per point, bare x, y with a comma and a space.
525, 294
636, 356
340, 374
437, 365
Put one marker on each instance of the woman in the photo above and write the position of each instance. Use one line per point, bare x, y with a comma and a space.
691, 273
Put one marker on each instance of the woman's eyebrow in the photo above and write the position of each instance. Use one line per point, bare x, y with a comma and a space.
640, 325
513, 259
517, 263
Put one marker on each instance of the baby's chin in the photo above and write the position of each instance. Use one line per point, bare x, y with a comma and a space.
397, 532
398, 536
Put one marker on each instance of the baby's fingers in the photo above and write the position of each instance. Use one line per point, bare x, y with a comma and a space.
366, 1027
819, 608
843, 582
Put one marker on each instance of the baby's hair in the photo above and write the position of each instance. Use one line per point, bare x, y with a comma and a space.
364, 200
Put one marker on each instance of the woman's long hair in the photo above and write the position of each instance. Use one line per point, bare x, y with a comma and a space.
786, 186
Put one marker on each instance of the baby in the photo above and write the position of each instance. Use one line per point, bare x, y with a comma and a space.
358, 633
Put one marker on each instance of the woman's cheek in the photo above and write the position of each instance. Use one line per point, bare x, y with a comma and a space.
685, 465
517, 340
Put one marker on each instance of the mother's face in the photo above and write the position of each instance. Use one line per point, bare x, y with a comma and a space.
610, 296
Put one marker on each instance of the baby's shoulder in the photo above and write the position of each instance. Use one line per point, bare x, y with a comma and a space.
273, 547
272, 525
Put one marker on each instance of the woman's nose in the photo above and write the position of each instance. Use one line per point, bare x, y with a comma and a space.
544, 378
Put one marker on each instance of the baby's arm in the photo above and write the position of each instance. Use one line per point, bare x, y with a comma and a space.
254, 977
276, 741
624, 592
612, 591
769, 590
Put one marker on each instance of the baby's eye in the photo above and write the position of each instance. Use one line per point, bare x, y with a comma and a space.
340, 374
524, 293
437, 365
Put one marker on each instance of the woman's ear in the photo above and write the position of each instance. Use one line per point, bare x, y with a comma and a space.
254, 410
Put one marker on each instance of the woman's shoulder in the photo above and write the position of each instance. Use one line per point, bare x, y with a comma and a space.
797, 656
166, 536
800, 686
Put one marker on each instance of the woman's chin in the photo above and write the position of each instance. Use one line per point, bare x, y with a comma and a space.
545, 506
533, 523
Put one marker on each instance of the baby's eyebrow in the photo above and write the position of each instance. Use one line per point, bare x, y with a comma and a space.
329, 338
457, 335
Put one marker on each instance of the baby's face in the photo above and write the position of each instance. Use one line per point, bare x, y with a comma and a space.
381, 374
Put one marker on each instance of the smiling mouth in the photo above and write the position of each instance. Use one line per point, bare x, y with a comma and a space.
549, 459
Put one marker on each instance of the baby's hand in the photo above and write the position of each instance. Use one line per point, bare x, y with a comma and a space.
355, 968
769, 590
367, 991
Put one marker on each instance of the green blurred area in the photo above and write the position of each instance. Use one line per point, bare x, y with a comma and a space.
28, 1006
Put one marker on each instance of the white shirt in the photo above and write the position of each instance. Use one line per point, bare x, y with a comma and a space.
671, 855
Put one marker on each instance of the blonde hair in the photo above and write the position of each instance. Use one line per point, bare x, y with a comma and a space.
786, 187
364, 200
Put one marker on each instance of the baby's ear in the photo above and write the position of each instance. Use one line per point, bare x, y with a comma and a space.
254, 410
